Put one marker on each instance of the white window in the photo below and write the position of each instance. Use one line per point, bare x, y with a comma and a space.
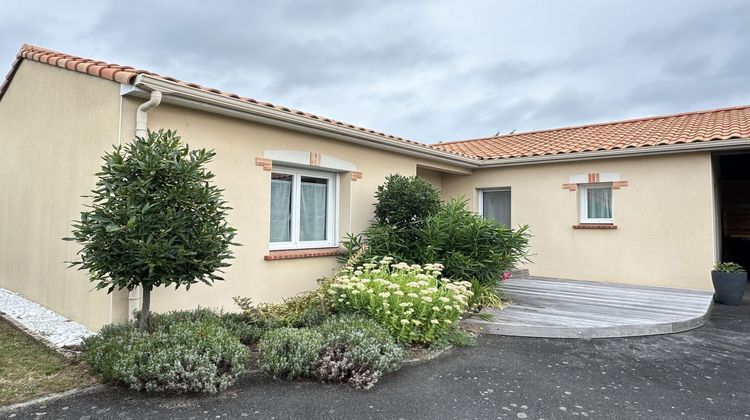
494, 204
303, 209
595, 203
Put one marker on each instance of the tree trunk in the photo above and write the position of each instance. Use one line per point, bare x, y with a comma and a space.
145, 309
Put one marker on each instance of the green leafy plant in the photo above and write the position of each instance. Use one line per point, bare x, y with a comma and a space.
238, 324
470, 246
485, 295
357, 351
405, 201
728, 267
185, 356
156, 219
407, 300
456, 337
304, 310
289, 352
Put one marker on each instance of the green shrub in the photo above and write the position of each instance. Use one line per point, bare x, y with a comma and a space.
358, 351
289, 352
103, 352
407, 300
468, 246
404, 201
239, 324
368, 344
304, 310
190, 356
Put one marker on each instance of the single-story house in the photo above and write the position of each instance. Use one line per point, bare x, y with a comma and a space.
653, 201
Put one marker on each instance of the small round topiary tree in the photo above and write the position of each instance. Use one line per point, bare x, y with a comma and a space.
405, 200
156, 219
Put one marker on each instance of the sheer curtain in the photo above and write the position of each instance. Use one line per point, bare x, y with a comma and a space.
281, 210
314, 194
599, 203
496, 206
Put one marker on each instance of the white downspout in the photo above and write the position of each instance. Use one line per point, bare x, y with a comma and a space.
141, 115
141, 130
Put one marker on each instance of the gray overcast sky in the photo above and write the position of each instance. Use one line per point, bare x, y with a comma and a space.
429, 71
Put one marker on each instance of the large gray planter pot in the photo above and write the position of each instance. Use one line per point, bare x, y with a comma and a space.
729, 287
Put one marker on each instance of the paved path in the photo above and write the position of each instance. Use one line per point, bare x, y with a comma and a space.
555, 308
700, 374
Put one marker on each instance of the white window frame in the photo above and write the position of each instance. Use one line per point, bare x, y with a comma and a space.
332, 213
480, 206
584, 203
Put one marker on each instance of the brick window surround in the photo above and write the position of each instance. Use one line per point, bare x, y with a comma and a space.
289, 254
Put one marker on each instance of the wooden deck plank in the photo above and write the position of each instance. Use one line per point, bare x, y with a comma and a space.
544, 307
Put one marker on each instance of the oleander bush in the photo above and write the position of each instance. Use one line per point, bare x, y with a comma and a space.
415, 230
289, 352
408, 300
182, 356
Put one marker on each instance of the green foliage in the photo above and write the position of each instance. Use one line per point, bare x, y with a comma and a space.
181, 356
485, 295
304, 310
289, 352
407, 300
404, 201
728, 267
156, 218
456, 337
238, 324
469, 246
368, 345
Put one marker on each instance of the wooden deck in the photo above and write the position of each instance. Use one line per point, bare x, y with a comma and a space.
557, 308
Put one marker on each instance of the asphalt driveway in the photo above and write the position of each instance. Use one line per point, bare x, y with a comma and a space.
703, 373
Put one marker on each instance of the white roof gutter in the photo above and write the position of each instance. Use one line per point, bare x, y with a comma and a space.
177, 94
181, 95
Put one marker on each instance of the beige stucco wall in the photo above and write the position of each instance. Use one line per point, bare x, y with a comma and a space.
664, 218
247, 189
54, 126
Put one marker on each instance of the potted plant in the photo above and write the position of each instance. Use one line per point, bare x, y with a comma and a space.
729, 281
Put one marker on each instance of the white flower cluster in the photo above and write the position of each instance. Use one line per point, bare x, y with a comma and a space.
411, 300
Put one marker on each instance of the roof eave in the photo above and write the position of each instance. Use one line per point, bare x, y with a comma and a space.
713, 145
189, 97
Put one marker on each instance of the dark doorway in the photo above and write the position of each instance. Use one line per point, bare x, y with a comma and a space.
734, 204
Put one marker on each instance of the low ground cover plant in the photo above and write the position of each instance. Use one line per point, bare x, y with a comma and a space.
408, 300
348, 349
188, 351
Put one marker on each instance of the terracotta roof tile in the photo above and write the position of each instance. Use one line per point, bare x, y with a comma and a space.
692, 127
127, 74
703, 126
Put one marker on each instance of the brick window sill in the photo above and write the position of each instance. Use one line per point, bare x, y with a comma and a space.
289, 254
600, 226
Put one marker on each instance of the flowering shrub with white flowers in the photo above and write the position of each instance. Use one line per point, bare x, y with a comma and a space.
411, 301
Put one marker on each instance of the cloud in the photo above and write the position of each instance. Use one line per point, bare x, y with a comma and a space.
423, 70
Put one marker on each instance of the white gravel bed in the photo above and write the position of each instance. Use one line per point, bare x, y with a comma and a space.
55, 328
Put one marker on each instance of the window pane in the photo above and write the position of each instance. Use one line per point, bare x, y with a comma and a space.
313, 207
281, 207
599, 203
496, 206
